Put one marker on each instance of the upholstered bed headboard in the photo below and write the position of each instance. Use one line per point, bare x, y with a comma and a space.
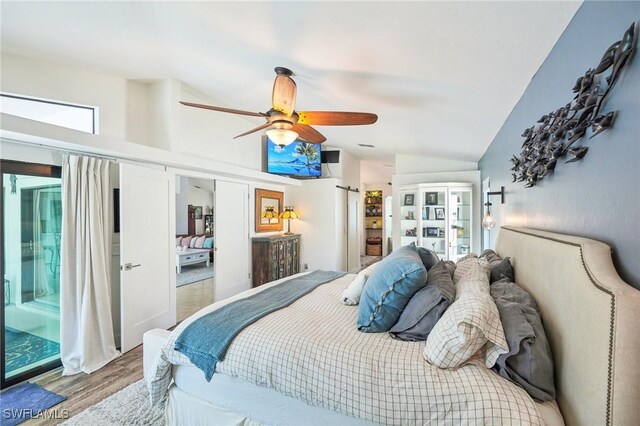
592, 319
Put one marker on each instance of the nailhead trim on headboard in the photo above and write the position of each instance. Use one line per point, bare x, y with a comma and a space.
612, 316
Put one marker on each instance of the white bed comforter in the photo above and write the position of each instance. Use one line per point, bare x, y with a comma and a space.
312, 351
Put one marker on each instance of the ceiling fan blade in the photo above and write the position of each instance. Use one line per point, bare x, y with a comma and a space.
264, 126
221, 109
308, 133
336, 118
284, 94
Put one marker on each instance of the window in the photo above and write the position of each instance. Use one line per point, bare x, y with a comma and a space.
77, 117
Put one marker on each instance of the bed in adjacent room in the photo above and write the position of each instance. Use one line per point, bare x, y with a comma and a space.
309, 363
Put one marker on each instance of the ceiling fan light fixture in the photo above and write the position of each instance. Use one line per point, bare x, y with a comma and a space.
282, 137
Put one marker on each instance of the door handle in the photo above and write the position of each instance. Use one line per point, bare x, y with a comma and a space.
129, 266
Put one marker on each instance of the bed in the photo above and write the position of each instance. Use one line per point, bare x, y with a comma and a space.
591, 318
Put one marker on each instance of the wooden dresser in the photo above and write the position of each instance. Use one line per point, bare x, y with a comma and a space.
275, 257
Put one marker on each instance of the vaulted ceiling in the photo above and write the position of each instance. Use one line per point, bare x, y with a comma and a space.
442, 76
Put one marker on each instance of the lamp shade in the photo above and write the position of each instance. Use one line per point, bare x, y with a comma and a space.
269, 213
282, 137
289, 213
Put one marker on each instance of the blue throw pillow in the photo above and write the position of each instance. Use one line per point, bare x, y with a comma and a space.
208, 243
388, 290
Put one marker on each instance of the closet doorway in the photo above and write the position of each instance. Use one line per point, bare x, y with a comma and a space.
195, 242
219, 213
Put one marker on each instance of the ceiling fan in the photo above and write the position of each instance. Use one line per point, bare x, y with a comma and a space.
287, 124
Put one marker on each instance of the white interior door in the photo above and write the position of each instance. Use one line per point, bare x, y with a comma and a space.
353, 230
231, 239
147, 277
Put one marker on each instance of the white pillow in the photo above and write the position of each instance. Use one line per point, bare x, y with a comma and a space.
192, 243
351, 294
469, 324
199, 241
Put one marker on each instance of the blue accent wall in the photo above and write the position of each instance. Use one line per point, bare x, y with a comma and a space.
598, 197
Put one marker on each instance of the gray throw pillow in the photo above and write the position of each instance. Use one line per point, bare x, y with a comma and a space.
529, 361
428, 257
500, 268
426, 306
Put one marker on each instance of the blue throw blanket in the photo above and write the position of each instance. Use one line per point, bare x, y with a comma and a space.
205, 341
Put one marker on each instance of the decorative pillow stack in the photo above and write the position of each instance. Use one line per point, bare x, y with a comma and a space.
351, 294
426, 306
529, 361
471, 322
500, 268
388, 289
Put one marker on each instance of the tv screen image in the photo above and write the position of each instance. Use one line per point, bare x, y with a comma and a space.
301, 159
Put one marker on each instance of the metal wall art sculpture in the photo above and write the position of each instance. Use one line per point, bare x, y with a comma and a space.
557, 134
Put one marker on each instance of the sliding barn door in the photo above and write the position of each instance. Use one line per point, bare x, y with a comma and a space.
231, 239
146, 246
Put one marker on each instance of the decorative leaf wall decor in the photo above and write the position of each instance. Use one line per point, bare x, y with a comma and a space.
560, 133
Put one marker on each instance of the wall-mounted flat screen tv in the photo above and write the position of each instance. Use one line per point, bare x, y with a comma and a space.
299, 159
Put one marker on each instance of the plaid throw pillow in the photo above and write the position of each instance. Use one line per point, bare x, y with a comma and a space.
470, 324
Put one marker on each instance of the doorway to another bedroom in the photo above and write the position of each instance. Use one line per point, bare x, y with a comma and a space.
195, 269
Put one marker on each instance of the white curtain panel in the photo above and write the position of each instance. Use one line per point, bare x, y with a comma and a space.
86, 329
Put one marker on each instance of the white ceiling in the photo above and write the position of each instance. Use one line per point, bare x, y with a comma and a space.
442, 76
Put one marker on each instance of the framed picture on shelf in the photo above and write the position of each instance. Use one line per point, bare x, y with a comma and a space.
439, 213
409, 216
410, 232
431, 198
430, 231
441, 232
409, 200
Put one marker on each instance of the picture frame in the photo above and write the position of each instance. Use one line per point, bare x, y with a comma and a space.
439, 211
430, 231
431, 198
274, 201
198, 212
409, 199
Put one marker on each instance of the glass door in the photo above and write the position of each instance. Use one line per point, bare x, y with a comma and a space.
31, 221
434, 220
408, 217
460, 221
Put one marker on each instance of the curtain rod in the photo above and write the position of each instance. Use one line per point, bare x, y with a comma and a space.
348, 188
62, 150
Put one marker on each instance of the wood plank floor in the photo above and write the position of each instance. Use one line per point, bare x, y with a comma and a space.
84, 390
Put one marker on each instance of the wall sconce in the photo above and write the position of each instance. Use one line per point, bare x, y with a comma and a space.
489, 222
289, 214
